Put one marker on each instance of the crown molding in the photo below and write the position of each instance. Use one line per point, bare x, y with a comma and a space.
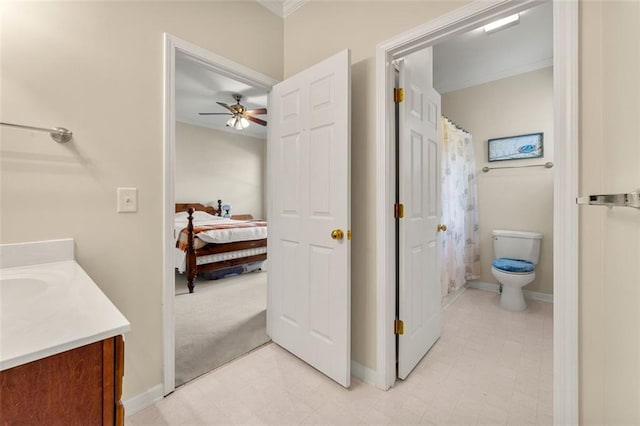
282, 8
274, 7
290, 6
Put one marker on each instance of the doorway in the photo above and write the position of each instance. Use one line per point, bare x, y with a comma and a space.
565, 186
453, 100
177, 48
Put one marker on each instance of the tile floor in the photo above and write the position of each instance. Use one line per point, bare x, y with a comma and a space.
490, 367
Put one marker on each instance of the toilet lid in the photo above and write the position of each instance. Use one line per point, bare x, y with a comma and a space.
513, 265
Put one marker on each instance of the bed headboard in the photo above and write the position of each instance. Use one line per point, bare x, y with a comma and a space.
183, 207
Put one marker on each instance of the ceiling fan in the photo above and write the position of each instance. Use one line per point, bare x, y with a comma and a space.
240, 116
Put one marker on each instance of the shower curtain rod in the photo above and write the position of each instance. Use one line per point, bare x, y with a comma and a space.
548, 165
58, 134
453, 123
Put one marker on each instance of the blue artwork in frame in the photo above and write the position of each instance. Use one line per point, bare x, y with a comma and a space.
516, 147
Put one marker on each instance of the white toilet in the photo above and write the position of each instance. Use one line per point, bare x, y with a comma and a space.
516, 255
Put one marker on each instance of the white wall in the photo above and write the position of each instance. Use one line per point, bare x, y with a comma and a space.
213, 164
609, 238
518, 199
96, 68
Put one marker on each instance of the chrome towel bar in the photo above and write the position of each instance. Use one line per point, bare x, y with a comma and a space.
547, 165
58, 134
631, 199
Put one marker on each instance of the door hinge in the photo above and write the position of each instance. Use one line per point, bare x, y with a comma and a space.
398, 326
398, 95
398, 210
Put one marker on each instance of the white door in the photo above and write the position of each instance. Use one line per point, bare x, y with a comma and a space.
309, 287
419, 171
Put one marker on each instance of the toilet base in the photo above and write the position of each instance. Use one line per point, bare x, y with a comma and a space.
512, 298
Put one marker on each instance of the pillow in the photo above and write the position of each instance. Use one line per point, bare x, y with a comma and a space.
198, 216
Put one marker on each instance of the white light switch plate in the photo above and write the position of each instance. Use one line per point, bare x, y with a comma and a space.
127, 200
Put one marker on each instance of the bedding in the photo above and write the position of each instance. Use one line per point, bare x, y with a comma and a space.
206, 242
219, 231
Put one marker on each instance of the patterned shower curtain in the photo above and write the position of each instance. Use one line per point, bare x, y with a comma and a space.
460, 242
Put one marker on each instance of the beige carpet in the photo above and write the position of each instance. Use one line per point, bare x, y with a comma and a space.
221, 320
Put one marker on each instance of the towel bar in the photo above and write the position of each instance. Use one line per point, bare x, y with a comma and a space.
631, 199
547, 165
58, 134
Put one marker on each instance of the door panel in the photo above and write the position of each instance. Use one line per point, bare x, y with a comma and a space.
419, 289
309, 304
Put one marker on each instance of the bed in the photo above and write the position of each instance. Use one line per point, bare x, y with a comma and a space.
205, 242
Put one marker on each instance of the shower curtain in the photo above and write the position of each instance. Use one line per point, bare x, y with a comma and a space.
460, 242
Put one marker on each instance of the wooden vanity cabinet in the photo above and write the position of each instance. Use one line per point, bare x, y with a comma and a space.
82, 386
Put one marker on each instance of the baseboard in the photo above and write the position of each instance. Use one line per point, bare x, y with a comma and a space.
143, 400
452, 297
363, 373
532, 295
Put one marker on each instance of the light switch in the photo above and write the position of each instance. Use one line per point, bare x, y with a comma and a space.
127, 200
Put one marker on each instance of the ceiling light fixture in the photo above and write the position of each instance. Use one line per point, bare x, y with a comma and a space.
502, 23
238, 122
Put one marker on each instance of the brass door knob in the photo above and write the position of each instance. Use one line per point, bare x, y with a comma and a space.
337, 234
442, 227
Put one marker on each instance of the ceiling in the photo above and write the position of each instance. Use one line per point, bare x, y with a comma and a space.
199, 87
476, 57
464, 61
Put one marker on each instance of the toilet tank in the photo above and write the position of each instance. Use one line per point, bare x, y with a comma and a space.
517, 245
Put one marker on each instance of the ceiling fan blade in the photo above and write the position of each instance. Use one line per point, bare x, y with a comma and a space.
255, 120
226, 106
215, 113
259, 111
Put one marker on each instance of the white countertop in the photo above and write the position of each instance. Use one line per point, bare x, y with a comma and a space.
49, 308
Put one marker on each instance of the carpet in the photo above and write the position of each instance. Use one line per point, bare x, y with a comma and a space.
222, 320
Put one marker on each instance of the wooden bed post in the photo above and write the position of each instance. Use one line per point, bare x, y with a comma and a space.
191, 253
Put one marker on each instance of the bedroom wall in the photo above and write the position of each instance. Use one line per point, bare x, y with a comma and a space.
349, 29
519, 199
96, 68
214, 164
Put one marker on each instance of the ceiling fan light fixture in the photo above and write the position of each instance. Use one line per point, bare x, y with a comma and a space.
240, 115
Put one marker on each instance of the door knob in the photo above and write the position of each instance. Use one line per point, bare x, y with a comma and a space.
441, 227
337, 234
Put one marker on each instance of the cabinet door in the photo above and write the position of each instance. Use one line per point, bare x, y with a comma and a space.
63, 389
82, 386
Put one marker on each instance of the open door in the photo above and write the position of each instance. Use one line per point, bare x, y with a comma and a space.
309, 283
419, 190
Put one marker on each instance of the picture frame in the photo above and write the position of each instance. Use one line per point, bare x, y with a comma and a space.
517, 147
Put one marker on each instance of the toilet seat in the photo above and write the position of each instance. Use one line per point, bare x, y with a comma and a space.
513, 266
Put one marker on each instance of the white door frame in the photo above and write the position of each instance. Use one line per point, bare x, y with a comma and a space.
565, 222
222, 66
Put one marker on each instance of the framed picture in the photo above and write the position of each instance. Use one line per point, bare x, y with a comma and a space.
516, 147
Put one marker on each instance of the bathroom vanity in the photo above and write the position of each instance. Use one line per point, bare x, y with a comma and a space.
61, 343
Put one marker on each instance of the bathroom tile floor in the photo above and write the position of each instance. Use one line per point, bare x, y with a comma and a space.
490, 367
